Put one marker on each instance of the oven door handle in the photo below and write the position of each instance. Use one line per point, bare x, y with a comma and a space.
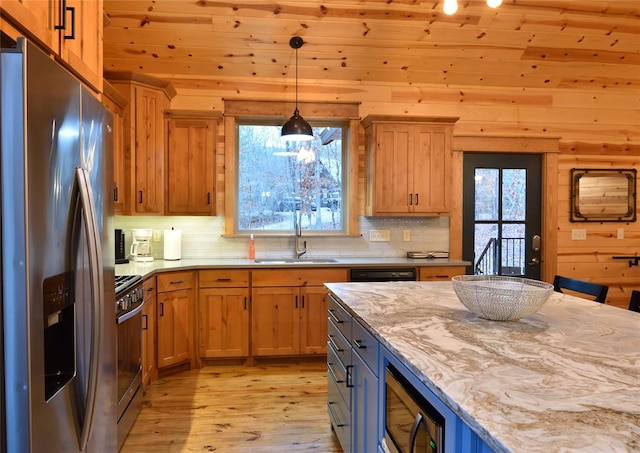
130, 314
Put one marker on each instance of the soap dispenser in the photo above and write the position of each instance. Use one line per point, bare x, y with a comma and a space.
252, 248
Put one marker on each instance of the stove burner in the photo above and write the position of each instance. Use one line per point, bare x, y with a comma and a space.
124, 282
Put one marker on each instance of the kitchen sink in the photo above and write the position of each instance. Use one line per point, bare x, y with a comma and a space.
295, 261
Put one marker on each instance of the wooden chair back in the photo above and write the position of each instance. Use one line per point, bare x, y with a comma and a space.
599, 292
634, 301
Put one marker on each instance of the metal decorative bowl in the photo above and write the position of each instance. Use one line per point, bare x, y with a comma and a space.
500, 298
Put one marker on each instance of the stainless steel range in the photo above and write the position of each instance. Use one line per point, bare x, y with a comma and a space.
129, 304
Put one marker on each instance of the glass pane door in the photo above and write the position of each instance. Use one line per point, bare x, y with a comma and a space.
502, 214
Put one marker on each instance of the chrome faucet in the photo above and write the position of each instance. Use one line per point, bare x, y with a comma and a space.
299, 251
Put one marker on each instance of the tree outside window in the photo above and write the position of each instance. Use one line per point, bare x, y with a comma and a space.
281, 182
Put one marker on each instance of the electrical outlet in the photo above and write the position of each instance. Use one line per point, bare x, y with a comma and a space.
406, 235
157, 235
380, 235
620, 233
578, 234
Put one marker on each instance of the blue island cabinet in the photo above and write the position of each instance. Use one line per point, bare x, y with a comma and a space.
356, 363
458, 437
353, 384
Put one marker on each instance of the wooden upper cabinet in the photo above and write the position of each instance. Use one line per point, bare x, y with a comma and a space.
408, 161
190, 157
117, 104
71, 30
144, 147
81, 41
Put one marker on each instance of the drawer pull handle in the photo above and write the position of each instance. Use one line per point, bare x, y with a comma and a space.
334, 317
176, 282
333, 416
334, 345
223, 279
333, 374
359, 344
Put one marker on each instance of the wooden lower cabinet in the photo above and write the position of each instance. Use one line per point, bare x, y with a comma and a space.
275, 327
149, 370
289, 310
223, 313
223, 322
433, 274
175, 319
313, 320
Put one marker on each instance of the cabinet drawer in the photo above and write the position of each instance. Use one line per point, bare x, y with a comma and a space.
174, 281
298, 276
365, 345
340, 317
339, 374
149, 287
339, 343
440, 273
223, 278
339, 414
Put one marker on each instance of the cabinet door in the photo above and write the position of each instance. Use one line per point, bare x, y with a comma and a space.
275, 326
173, 317
430, 170
149, 371
393, 157
365, 407
149, 151
434, 274
190, 166
81, 41
223, 320
313, 320
116, 104
39, 17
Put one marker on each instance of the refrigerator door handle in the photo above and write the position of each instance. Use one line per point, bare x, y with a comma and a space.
97, 293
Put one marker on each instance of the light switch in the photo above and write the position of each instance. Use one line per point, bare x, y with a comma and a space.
380, 235
578, 234
620, 233
406, 235
157, 235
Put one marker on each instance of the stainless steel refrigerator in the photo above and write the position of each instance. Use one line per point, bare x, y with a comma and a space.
58, 309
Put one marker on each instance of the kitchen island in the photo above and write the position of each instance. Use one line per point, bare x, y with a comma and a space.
566, 378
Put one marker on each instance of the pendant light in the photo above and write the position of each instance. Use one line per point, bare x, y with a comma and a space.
296, 129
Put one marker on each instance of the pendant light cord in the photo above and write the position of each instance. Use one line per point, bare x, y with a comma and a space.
296, 80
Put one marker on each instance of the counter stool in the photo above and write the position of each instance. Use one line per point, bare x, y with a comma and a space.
634, 301
580, 286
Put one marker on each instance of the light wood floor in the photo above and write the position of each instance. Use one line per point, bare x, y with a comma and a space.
265, 408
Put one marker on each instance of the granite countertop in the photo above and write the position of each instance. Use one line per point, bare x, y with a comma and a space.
145, 269
564, 379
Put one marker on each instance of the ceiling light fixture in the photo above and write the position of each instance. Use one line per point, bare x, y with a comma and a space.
451, 6
296, 129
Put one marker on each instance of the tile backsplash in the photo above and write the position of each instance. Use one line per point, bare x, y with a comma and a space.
202, 237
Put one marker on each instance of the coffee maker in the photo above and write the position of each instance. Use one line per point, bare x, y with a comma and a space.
141, 249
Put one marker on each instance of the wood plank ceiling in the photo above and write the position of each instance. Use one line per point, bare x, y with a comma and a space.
523, 43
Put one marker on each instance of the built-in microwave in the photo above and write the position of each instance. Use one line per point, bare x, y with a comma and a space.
412, 424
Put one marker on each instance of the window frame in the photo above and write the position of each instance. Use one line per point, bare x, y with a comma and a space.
243, 111
344, 152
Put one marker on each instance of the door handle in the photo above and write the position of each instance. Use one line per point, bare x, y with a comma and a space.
535, 243
533, 261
